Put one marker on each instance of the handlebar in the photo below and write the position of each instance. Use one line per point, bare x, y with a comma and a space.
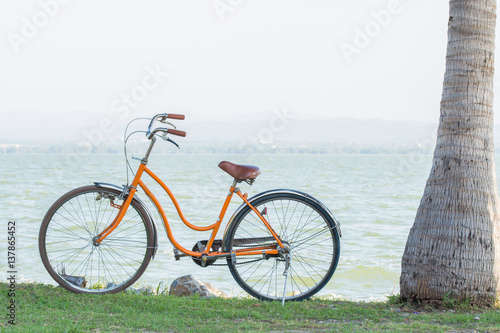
176, 116
162, 118
166, 130
176, 132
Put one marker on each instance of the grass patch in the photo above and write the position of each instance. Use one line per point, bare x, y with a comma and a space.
44, 308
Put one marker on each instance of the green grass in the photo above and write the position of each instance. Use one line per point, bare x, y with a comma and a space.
43, 308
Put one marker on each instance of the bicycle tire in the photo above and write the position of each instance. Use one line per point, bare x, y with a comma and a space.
66, 241
301, 223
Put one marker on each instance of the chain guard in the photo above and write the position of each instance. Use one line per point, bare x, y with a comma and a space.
216, 246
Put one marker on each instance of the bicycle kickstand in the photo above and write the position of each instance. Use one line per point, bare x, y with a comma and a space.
288, 259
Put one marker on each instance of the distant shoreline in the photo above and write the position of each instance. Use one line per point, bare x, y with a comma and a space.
289, 148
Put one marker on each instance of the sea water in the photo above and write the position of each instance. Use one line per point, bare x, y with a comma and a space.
375, 198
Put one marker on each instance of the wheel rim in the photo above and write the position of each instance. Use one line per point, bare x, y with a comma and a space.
312, 243
73, 258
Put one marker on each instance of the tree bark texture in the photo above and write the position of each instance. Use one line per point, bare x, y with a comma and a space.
453, 249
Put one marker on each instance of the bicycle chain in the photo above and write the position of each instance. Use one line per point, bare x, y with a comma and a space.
239, 263
245, 262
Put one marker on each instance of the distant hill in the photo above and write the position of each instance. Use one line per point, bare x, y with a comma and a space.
264, 131
36, 127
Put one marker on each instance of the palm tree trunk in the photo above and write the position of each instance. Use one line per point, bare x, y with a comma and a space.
453, 248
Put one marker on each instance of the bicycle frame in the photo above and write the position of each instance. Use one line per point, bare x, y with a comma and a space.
137, 181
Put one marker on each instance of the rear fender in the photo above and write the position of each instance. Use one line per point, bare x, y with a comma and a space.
143, 205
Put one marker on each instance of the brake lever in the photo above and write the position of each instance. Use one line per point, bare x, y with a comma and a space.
172, 141
163, 120
164, 137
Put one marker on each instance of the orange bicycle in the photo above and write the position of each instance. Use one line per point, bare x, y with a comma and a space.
278, 245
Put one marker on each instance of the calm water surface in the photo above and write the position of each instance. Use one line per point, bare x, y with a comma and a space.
375, 197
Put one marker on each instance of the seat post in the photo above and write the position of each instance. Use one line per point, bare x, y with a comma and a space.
234, 182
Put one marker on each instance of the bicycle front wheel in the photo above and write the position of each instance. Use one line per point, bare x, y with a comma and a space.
66, 241
306, 230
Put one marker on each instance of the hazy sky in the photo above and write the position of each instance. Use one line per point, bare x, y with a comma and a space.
360, 59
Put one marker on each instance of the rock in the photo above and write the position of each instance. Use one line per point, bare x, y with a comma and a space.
188, 285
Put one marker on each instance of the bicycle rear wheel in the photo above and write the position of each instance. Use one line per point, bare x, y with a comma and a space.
304, 227
66, 241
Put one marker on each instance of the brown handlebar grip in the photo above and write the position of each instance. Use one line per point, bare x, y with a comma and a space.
176, 132
176, 116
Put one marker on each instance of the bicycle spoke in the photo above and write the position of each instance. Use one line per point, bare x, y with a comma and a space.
112, 258
299, 277
299, 231
64, 250
72, 256
309, 269
268, 281
258, 224
308, 259
83, 263
72, 219
108, 248
308, 238
258, 263
69, 231
263, 275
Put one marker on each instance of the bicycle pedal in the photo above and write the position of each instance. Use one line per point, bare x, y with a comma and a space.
178, 254
204, 258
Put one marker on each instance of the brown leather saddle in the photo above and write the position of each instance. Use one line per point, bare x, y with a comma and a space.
246, 173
